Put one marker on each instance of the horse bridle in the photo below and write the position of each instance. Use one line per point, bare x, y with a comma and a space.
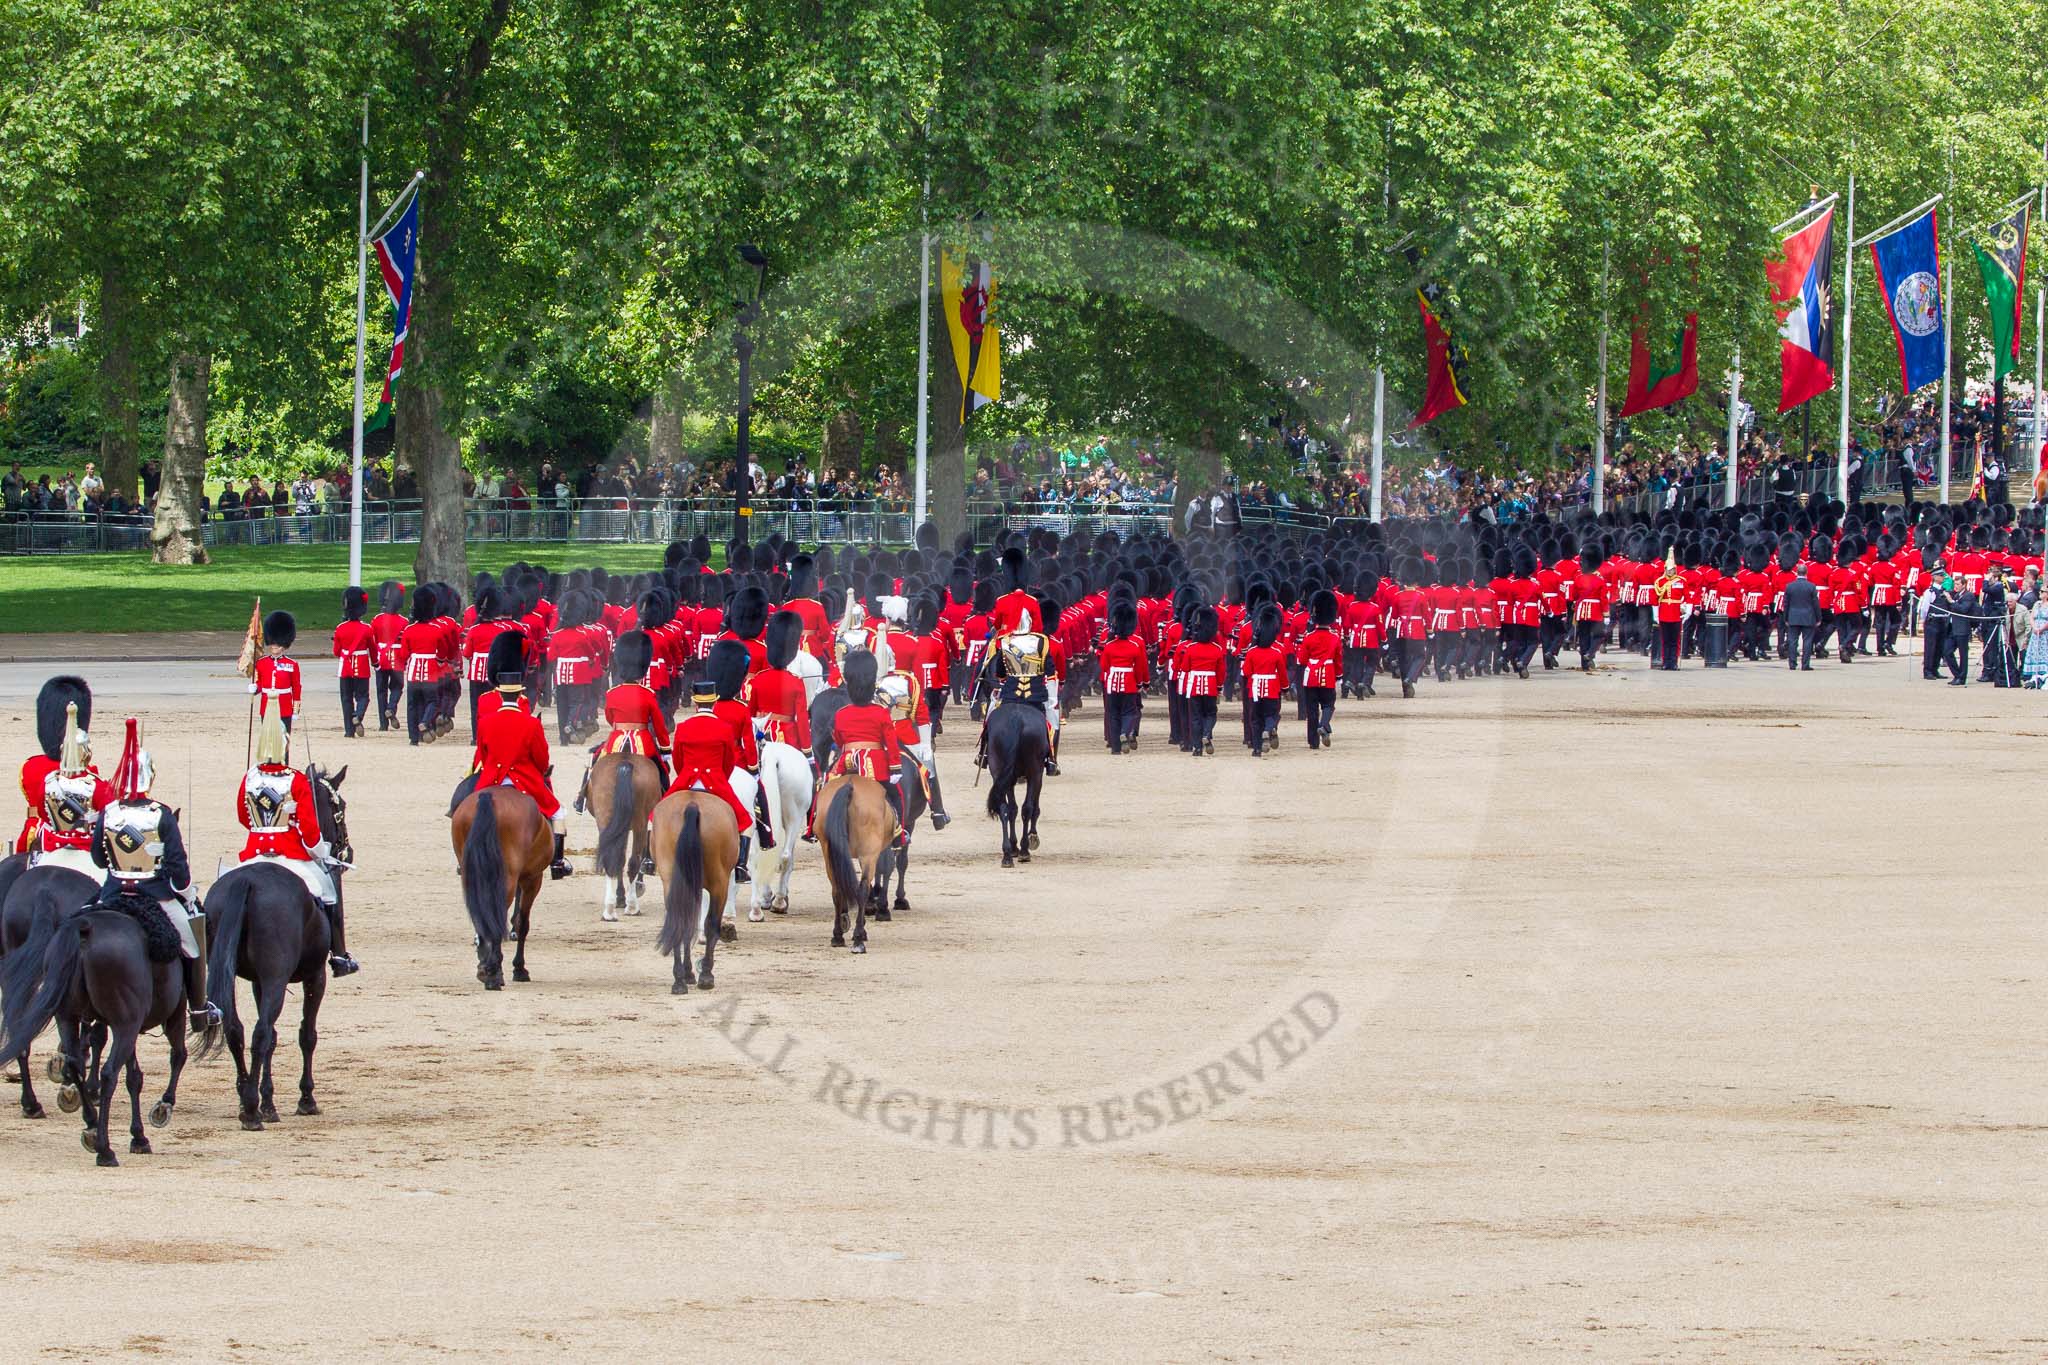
344, 851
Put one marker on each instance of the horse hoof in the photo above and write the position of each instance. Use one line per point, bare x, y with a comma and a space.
1025, 856
902, 903
54, 1069
679, 988
860, 947
139, 1146
781, 907
704, 981
307, 1108
251, 1124
728, 932
880, 913
494, 985
270, 1114
1031, 839
520, 974
90, 1141
160, 1115
34, 1111
68, 1098
1008, 861
754, 915
608, 915
633, 909
104, 1158
838, 940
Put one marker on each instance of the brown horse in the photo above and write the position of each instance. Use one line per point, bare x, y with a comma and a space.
501, 841
696, 846
856, 826
622, 790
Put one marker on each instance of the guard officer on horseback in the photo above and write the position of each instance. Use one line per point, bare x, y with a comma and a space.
903, 694
136, 839
638, 725
275, 804
512, 744
865, 741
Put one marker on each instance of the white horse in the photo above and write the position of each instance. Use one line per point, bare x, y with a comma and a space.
787, 784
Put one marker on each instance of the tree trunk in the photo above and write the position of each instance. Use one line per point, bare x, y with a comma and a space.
946, 475
176, 537
665, 426
844, 436
120, 393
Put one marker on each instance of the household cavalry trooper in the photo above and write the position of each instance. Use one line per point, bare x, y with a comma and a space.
1021, 659
135, 840
275, 804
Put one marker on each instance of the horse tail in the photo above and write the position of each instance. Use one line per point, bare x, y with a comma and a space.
483, 873
839, 868
224, 945
56, 954
685, 886
618, 824
1002, 762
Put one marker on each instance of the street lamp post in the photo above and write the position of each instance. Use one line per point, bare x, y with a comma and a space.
743, 346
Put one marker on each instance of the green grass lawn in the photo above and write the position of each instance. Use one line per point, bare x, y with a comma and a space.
126, 592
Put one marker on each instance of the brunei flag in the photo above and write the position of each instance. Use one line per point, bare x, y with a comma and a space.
397, 253
1446, 357
2002, 261
968, 290
1659, 380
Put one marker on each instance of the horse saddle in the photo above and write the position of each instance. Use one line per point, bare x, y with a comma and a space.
158, 933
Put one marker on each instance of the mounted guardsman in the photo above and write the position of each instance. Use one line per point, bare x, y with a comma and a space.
851, 634
52, 729
135, 839
275, 804
903, 695
1019, 663
71, 795
512, 744
632, 708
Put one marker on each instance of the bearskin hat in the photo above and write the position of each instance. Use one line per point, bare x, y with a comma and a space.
64, 690
632, 657
784, 637
423, 603
1266, 626
1123, 619
924, 613
1202, 624
489, 605
857, 672
1016, 569
747, 614
1322, 607
507, 659
280, 629
1525, 562
984, 596
1589, 559
354, 602
1820, 550
391, 596
657, 609
727, 666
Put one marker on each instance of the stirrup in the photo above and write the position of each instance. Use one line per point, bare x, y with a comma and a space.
559, 869
341, 964
205, 1018
940, 819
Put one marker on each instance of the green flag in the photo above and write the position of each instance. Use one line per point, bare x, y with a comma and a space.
2003, 264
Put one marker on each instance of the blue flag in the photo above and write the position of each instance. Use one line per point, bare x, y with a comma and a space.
1908, 275
397, 254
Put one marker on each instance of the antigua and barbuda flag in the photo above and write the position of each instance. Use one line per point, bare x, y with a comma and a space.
1803, 284
397, 252
969, 295
1444, 389
1909, 277
2002, 261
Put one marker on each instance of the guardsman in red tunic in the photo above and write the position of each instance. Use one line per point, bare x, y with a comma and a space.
1017, 601
1885, 580
706, 752
803, 600
275, 681
728, 667
776, 695
864, 739
1200, 671
493, 618
419, 645
1364, 636
355, 648
1757, 588
389, 657
926, 656
1321, 658
746, 616
1262, 669
62, 696
1667, 597
512, 744
1411, 623
1126, 667
1589, 607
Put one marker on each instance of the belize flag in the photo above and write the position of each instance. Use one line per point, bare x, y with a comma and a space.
1803, 283
1908, 274
397, 252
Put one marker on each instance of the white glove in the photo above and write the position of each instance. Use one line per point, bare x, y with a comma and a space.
322, 851
252, 689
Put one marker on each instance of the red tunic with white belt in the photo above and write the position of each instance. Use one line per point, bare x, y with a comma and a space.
1321, 658
776, 696
386, 627
277, 678
1200, 668
1124, 666
354, 647
867, 743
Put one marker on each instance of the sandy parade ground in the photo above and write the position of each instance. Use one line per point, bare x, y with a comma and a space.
1632, 1016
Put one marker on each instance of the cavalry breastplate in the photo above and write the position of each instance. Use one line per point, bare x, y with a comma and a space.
135, 844
1023, 654
269, 799
898, 692
67, 801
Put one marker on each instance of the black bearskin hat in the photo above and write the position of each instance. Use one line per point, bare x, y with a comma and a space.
1016, 569
1589, 559
784, 636
985, 596
423, 602
924, 613
1322, 608
858, 673
391, 596
1202, 624
64, 690
507, 660
1525, 562
280, 629
1123, 619
747, 614
726, 666
1821, 550
803, 577
1368, 585
354, 602
1266, 627
632, 656
489, 606
657, 609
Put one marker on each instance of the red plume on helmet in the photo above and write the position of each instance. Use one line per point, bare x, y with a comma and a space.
128, 773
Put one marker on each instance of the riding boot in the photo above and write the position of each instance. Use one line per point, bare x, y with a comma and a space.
559, 868
761, 821
937, 813
204, 1017
740, 871
902, 821
1052, 754
339, 963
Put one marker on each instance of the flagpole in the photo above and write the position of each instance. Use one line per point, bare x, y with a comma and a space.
2040, 321
1948, 331
1848, 324
355, 483
1734, 396
1379, 434
1600, 399
924, 345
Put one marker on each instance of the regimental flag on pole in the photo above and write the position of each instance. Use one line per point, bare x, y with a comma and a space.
2002, 261
1658, 381
1444, 391
969, 294
1803, 283
1908, 264
252, 641
397, 252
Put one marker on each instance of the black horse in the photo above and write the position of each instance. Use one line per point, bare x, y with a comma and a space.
33, 899
825, 708
897, 860
115, 966
1018, 747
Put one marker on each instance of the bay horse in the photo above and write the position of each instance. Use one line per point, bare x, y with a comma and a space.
102, 966
37, 898
1017, 750
504, 848
696, 847
265, 927
856, 826
622, 790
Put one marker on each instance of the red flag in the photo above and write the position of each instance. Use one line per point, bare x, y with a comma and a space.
1445, 360
1803, 286
1658, 382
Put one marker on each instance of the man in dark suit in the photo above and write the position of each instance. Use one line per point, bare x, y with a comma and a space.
1802, 617
1960, 626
